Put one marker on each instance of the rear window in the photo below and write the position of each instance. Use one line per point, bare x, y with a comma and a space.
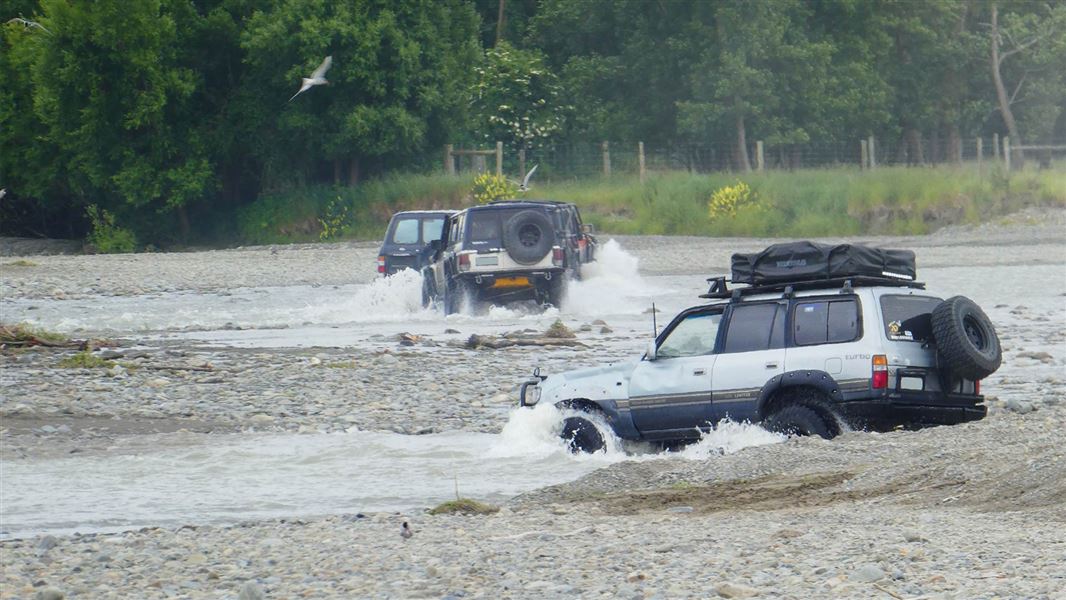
825, 321
432, 229
908, 318
486, 226
405, 232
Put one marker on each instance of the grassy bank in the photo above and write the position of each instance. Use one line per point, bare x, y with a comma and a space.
812, 203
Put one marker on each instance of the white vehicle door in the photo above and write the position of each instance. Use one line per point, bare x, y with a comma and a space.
752, 352
672, 393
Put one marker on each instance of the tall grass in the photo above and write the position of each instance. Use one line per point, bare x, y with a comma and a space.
807, 203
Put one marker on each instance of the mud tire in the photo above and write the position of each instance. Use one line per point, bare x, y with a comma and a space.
798, 419
965, 339
528, 236
582, 435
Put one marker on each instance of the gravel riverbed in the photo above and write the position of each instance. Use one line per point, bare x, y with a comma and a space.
971, 511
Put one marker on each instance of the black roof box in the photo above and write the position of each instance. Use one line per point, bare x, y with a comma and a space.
811, 261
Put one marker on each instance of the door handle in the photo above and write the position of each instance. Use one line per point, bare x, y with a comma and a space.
771, 365
699, 372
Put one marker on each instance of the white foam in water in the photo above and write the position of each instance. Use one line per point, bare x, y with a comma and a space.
610, 285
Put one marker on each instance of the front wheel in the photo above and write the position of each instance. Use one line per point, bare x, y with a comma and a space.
582, 435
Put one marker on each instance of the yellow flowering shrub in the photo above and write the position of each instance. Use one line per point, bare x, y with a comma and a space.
488, 187
725, 202
335, 221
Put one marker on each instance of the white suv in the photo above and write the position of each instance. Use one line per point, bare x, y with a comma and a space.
824, 335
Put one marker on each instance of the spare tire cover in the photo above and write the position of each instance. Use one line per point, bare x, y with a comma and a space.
966, 339
528, 236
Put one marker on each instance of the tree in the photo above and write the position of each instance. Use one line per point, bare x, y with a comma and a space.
397, 85
1036, 35
517, 99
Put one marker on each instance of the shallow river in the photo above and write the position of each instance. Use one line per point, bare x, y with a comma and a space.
229, 478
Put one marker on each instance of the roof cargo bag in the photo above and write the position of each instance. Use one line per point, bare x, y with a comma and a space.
810, 261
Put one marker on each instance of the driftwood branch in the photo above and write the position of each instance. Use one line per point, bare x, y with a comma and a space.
495, 343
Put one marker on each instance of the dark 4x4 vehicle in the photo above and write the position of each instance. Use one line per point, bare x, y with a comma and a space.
507, 251
823, 336
408, 234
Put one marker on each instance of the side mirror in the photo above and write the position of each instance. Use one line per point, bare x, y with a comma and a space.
588, 228
650, 353
434, 246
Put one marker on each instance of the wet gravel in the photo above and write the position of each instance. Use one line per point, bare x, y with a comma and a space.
976, 510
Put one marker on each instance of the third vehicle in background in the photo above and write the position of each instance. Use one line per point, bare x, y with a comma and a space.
408, 234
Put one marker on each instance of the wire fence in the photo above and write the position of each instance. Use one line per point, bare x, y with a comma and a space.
597, 159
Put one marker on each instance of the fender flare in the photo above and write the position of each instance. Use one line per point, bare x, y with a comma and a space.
620, 421
812, 378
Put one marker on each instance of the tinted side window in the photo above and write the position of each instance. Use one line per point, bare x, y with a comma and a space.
825, 321
405, 232
750, 327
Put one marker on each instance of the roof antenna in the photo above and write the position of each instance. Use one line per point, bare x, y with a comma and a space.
654, 325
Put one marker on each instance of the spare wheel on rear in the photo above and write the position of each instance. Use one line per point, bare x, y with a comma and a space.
528, 236
966, 339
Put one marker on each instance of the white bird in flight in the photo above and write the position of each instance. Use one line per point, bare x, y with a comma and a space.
28, 24
318, 77
524, 186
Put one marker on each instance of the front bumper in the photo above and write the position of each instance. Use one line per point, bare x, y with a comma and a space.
902, 408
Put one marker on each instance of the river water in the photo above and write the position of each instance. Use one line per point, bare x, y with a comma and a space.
229, 478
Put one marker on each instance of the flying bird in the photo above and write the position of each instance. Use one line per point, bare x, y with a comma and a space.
28, 24
524, 186
405, 531
318, 77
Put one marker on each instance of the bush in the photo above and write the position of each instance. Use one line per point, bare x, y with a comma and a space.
336, 221
726, 201
464, 506
106, 236
489, 187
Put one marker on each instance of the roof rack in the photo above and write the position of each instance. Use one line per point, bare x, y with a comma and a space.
720, 290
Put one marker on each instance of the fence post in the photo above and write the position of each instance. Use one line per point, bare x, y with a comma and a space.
499, 159
864, 155
449, 161
873, 154
640, 160
995, 146
980, 152
522, 163
1006, 152
606, 159
758, 155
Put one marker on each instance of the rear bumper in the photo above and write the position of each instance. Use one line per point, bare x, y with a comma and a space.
902, 408
511, 284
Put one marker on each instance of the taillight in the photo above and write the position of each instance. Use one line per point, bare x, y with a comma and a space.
464, 262
977, 387
557, 256
879, 381
381, 264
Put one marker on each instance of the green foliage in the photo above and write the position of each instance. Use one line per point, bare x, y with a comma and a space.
20, 263
464, 506
489, 187
726, 201
85, 360
335, 221
517, 99
106, 236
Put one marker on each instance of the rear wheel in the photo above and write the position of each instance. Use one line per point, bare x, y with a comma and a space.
455, 295
581, 434
798, 419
